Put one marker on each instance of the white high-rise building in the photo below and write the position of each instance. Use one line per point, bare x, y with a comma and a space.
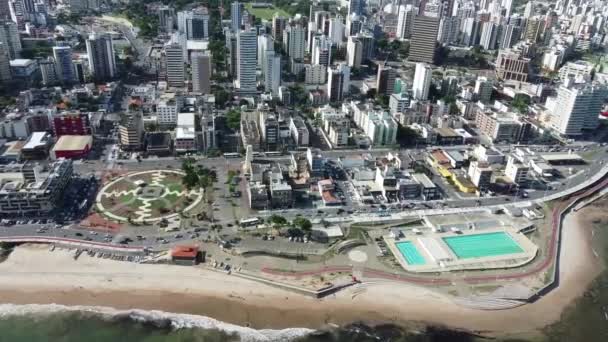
508, 6
201, 72
529, 10
246, 42
354, 52
321, 50
9, 36
311, 33
66, 73
469, 32
336, 30
102, 63
265, 43
272, 72
489, 32
5, 66
404, 21
422, 81
294, 40
236, 15
577, 107
448, 30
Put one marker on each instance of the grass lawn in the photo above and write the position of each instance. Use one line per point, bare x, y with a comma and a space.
175, 187
265, 13
126, 198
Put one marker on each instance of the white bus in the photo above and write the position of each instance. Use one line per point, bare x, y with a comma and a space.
253, 221
232, 155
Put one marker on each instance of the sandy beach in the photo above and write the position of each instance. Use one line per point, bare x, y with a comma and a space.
32, 274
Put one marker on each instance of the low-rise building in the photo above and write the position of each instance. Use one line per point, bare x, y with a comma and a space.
480, 174
131, 131
72, 147
501, 127
158, 143
338, 131
258, 195
428, 189
299, 131
37, 146
516, 171
185, 135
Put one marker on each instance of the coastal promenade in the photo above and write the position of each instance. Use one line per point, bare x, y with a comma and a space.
572, 197
74, 243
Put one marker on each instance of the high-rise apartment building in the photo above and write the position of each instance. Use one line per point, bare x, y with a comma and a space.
265, 43
321, 50
102, 63
355, 6
201, 72
294, 41
385, 81
422, 81
236, 15
405, 21
272, 72
424, 39
278, 26
176, 69
577, 107
65, 71
5, 66
246, 42
338, 82
354, 52
9, 36
489, 31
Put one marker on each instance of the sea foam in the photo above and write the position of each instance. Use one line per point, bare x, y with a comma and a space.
176, 320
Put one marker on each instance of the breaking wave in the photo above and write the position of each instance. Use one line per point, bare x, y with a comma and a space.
154, 318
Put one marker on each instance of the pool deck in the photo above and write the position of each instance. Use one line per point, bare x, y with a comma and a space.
452, 262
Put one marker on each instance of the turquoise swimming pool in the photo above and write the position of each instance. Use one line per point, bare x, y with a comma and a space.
410, 253
482, 245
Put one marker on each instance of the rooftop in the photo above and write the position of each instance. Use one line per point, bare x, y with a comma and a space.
73, 142
36, 140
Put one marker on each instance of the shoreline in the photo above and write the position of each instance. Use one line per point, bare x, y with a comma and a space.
43, 277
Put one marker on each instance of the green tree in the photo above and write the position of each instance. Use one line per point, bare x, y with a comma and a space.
302, 223
521, 103
233, 119
277, 220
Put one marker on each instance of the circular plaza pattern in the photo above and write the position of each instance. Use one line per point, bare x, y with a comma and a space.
147, 196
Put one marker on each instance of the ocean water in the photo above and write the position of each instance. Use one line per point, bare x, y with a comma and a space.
58, 323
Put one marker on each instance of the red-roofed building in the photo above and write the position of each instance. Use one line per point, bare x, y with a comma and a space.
186, 255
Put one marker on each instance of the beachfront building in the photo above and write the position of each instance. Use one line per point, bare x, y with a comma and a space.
29, 189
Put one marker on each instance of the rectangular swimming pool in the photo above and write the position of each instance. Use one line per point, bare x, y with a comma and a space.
482, 245
410, 253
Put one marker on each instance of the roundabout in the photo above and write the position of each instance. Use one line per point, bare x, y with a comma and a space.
147, 196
